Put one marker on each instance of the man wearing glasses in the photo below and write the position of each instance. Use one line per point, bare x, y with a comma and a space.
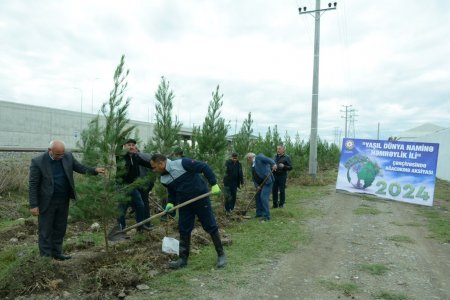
51, 185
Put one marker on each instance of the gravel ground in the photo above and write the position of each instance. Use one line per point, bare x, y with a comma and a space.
342, 241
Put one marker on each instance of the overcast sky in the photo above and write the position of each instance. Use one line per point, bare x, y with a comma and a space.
389, 60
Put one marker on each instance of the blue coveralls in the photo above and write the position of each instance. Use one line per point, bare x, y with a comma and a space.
183, 182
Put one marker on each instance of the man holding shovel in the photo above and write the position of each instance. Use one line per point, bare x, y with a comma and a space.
262, 168
182, 179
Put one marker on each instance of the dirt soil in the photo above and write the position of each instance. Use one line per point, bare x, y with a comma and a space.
341, 242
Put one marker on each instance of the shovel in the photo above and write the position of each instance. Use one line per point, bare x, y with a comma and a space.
120, 234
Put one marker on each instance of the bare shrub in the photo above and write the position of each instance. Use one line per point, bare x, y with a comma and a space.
13, 175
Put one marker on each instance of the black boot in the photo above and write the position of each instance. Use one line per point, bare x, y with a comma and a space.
221, 259
185, 243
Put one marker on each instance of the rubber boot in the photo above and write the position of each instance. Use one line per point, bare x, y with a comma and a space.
221, 259
181, 262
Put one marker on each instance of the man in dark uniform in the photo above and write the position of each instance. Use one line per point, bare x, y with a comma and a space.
51, 185
182, 179
284, 165
232, 180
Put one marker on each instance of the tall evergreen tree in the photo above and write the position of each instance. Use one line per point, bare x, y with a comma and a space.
212, 136
98, 194
166, 133
242, 142
276, 138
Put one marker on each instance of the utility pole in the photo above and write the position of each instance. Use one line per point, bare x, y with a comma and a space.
352, 119
346, 119
315, 92
378, 131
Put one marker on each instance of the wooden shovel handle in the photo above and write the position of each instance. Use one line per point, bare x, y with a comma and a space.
164, 212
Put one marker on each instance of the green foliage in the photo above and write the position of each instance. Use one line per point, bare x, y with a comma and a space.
211, 137
242, 142
166, 130
298, 150
102, 144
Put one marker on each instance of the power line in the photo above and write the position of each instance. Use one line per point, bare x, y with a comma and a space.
346, 116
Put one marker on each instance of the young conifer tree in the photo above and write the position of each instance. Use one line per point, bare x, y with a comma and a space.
166, 133
211, 137
102, 143
242, 142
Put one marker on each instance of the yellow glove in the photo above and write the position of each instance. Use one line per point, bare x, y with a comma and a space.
169, 206
215, 189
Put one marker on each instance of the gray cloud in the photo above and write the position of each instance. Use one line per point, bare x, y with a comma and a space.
387, 59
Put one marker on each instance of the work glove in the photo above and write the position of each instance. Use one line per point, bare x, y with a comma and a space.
169, 206
215, 189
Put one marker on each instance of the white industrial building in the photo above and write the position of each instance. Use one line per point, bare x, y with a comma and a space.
33, 127
431, 133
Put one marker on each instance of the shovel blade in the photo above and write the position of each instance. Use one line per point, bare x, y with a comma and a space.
116, 234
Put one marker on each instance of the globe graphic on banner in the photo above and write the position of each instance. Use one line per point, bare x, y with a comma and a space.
361, 171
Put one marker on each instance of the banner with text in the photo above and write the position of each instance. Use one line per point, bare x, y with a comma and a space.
401, 171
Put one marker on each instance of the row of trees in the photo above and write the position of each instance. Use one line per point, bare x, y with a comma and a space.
102, 144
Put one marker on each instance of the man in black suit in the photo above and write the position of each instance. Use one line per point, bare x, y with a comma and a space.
51, 185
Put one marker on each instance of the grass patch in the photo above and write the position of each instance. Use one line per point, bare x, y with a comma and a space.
7, 224
390, 296
374, 269
370, 198
400, 239
442, 190
84, 240
438, 217
23, 271
346, 287
366, 210
254, 244
438, 224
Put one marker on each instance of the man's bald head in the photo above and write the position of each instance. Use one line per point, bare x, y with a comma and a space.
56, 149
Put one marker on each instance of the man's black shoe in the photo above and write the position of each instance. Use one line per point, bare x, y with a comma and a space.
61, 257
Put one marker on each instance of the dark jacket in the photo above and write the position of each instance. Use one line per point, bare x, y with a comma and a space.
145, 171
41, 178
262, 167
233, 173
286, 161
183, 180
132, 163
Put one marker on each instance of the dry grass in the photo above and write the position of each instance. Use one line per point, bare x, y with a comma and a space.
13, 176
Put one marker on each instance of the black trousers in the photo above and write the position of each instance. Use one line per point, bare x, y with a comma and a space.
230, 196
52, 225
279, 185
